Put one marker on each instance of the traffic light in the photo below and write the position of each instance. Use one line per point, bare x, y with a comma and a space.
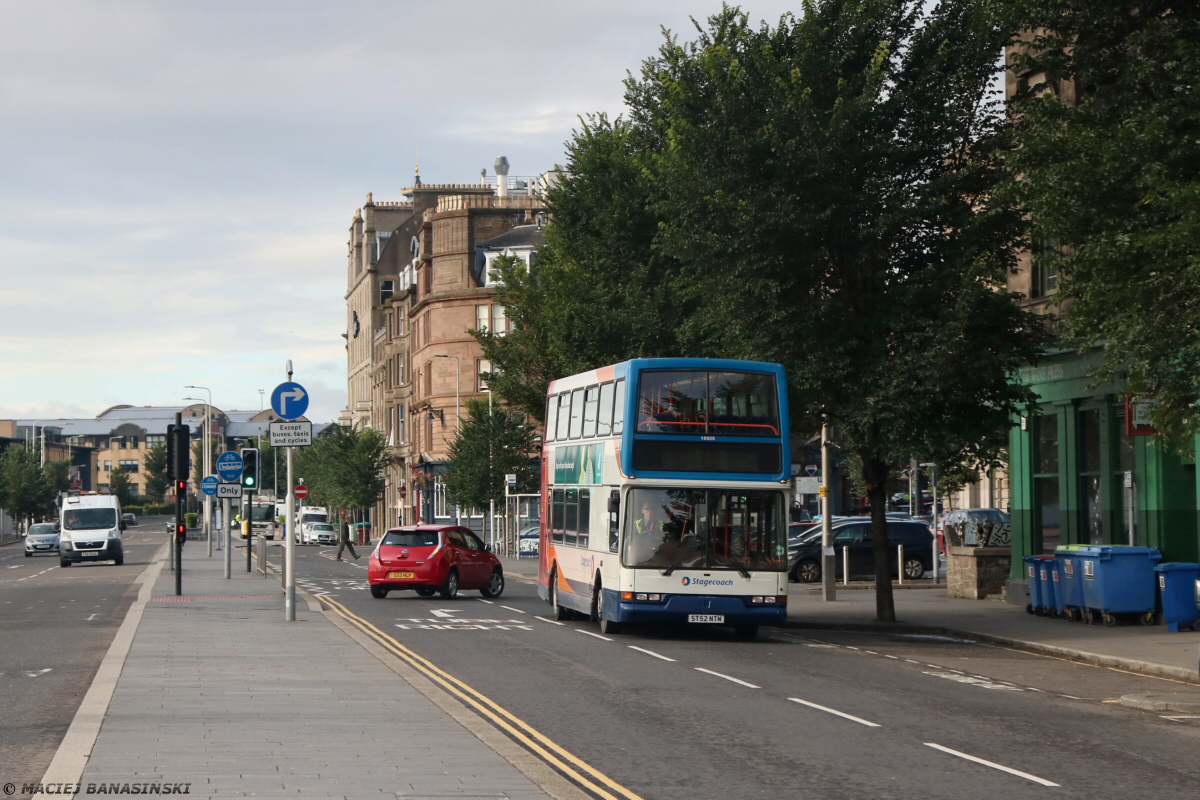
250, 467
179, 454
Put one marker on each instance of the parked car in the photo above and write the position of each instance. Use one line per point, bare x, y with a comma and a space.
41, 538
975, 527
854, 534
130, 520
433, 558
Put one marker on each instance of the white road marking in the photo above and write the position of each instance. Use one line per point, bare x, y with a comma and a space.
727, 677
14, 566
445, 613
39, 672
650, 653
850, 717
551, 621
92, 617
1185, 716
596, 635
828, 646
489, 602
972, 680
993, 765
894, 658
510, 608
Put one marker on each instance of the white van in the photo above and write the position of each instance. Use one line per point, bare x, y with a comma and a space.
90, 530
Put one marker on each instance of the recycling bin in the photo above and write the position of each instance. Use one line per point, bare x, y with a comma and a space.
1176, 584
1070, 585
1119, 580
1037, 591
1048, 578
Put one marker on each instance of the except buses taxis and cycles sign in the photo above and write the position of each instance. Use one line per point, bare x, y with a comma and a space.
291, 434
579, 464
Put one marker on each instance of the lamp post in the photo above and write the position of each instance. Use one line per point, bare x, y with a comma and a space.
42, 446
457, 411
937, 559
206, 457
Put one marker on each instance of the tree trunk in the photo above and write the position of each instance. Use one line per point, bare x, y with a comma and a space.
875, 473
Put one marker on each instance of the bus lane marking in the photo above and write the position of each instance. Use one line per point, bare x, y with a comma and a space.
650, 653
727, 677
843, 714
510, 608
596, 635
551, 621
992, 764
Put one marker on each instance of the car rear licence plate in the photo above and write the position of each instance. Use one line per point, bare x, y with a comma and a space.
717, 618
400, 576
89, 555
42, 546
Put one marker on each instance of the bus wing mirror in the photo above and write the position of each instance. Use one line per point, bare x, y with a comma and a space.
614, 503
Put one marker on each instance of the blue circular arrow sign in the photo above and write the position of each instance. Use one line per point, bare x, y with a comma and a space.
229, 467
209, 485
289, 400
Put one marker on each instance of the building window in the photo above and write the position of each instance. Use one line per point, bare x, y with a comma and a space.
1090, 475
1045, 268
482, 366
386, 290
400, 369
499, 319
107, 466
400, 423
1046, 480
129, 465
481, 318
441, 508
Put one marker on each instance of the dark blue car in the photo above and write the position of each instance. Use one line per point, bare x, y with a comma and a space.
854, 534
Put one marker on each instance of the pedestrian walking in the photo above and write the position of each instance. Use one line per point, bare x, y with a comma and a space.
345, 543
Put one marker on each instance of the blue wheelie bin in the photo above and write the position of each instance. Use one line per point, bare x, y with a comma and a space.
1048, 577
1119, 580
1070, 585
1038, 593
1177, 585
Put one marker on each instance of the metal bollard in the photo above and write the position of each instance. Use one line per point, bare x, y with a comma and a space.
845, 566
262, 555
900, 562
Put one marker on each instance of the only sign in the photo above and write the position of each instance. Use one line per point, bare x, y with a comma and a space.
301, 491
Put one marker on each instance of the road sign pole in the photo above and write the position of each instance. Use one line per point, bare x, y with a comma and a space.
828, 559
293, 530
228, 541
247, 498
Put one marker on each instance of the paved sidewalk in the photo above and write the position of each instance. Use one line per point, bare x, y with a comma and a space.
220, 692
1151, 650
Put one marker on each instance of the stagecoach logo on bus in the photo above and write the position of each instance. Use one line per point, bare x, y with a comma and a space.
706, 582
579, 464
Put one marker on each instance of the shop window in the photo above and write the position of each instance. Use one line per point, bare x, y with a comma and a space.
1046, 480
1090, 483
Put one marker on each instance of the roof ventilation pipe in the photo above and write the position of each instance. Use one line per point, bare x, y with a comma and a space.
502, 176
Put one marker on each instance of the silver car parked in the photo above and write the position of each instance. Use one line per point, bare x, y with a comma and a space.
41, 538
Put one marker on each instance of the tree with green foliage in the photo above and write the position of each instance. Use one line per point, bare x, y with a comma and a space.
822, 194
120, 486
1109, 171
58, 473
344, 467
154, 465
26, 490
492, 443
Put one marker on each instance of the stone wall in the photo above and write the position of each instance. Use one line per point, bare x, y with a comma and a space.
977, 572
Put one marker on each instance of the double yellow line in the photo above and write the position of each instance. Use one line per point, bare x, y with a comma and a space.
570, 765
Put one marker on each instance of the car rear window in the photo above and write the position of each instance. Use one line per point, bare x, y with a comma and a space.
411, 538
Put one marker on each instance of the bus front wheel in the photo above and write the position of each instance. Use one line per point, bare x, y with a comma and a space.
607, 626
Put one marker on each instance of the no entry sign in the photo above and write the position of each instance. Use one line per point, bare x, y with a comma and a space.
301, 491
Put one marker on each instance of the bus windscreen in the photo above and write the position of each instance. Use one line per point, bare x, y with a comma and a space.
707, 402
715, 529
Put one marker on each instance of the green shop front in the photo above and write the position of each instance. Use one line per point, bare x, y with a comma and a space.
1078, 477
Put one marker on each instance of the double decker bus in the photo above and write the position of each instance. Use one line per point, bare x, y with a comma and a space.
665, 494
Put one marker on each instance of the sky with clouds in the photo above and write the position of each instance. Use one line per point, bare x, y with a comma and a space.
177, 178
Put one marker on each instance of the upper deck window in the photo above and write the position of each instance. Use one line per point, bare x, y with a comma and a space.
707, 402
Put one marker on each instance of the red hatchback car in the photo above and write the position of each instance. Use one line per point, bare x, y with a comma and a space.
434, 558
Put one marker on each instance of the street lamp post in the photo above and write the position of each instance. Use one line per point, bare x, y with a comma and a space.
937, 559
206, 457
457, 411
42, 446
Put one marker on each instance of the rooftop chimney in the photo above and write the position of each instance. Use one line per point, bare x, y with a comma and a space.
502, 176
